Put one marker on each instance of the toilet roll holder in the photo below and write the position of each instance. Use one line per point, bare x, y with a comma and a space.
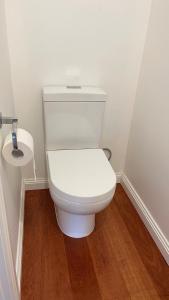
16, 152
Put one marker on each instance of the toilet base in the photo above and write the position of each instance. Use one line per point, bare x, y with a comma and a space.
75, 225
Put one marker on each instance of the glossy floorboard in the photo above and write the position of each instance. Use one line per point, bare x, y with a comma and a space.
118, 261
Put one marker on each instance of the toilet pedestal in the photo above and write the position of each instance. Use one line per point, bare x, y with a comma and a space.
75, 225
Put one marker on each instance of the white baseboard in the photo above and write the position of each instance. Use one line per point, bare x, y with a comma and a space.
152, 226
118, 176
20, 235
38, 184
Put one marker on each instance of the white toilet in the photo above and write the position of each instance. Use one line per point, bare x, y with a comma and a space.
81, 179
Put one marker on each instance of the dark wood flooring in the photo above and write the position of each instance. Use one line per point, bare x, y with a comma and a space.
118, 261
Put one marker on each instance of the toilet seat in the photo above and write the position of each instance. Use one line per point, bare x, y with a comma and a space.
80, 176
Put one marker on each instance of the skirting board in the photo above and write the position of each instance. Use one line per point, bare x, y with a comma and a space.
38, 184
152, 226
118, 177
20, 235
42, 183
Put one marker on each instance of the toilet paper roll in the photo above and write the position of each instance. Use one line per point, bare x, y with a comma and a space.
25, 144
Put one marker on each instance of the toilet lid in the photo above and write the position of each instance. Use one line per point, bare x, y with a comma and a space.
81, 175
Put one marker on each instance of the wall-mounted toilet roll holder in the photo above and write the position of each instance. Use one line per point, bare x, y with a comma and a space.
13, 121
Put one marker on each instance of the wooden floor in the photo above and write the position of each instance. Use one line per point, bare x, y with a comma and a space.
118, 261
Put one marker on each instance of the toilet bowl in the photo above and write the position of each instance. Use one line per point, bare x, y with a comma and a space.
81, 183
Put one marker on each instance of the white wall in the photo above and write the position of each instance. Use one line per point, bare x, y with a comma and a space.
147, 163
104, 40
10, 176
